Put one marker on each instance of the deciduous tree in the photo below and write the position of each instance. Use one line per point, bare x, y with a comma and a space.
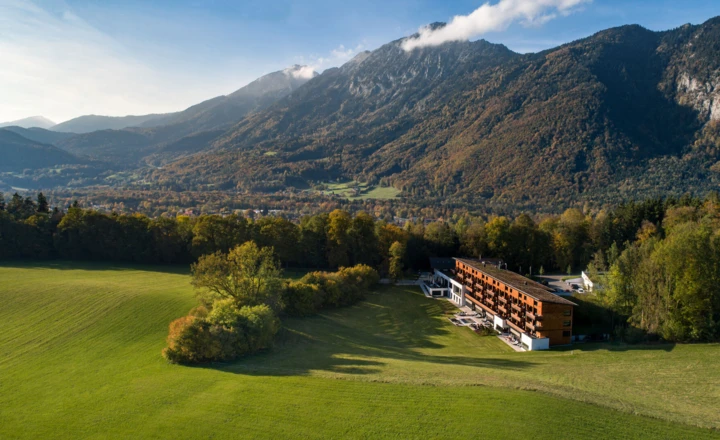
249, 275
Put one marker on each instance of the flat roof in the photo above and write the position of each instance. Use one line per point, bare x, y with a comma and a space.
442, 263
518, 282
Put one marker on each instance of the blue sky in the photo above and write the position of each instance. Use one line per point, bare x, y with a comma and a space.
67, 58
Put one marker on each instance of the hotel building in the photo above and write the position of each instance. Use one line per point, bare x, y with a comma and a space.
514, 303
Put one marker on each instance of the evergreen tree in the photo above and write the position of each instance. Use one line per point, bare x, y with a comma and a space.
42, 204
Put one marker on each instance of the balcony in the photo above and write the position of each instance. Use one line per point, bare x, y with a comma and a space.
532, 326
503, 310
491, 293
503, 300
516, 317
517, 307
533, 316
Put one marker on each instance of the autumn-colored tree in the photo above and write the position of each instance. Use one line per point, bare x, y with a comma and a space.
249, 275
397, 258
338, 239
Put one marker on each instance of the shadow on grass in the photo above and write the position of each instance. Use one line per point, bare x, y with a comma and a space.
396, 324
180, 269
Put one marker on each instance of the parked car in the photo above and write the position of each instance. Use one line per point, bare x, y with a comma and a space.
581, 290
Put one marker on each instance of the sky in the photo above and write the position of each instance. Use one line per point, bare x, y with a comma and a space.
66, 58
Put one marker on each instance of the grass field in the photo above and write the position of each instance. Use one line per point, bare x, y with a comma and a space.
359, 191
80, 358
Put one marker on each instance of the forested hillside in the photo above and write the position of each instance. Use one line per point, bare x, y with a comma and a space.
19, 153
623, 112
90, 123
41, 135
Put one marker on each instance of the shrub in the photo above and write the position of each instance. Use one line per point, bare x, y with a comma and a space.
190, 341
342, 288
302, 299
361, 276
484, 331
226, 333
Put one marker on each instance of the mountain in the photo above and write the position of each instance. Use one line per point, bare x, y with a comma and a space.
40, 135
627, 112
90, 123
114, 146
19, 153
33, 121
190, 130
223, 110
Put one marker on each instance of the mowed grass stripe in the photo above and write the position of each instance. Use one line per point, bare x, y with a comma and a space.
90, 367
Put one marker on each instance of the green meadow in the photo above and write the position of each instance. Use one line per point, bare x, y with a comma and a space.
360, 191
80, 358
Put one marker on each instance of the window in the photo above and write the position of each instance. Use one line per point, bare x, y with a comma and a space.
567, 312
566, 333
567, 323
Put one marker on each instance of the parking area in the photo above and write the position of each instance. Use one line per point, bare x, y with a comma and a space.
562, 287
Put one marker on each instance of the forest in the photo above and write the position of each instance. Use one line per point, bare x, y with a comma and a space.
659, 259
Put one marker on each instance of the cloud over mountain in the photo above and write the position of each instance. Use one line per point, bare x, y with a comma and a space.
492, 17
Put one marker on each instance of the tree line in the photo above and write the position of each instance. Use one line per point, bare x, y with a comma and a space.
660, 255
529, 245
665, 283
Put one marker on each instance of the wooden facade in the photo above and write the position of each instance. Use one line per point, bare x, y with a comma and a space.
525, 305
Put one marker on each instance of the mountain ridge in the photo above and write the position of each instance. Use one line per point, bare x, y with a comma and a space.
162, 135
31, 122
480, 123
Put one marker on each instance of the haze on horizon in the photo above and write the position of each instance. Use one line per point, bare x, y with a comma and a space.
64, 59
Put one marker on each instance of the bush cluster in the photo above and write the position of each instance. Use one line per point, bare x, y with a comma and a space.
321, 290
222, 334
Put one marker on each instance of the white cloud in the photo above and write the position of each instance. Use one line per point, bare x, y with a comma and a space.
337, 57
493, 17
305, 72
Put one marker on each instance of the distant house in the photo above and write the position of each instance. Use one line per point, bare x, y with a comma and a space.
589, 284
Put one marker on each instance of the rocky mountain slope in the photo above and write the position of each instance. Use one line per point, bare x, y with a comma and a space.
625, 112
